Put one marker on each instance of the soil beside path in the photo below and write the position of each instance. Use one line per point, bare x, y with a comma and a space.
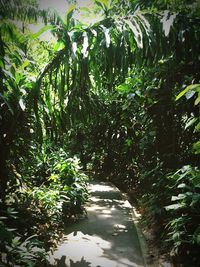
107, 237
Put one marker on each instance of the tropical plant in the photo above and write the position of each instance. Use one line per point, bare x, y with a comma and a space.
106, 92
15, 249
183, 225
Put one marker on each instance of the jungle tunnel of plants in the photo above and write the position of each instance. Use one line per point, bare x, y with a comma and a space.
119, 98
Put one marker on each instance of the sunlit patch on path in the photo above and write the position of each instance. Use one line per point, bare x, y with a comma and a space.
106, 238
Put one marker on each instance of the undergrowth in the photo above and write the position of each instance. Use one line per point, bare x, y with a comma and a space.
34, 215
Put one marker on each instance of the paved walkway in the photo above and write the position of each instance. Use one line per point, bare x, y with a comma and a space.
106, 238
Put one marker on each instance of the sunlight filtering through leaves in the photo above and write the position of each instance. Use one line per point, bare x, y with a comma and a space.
102, 89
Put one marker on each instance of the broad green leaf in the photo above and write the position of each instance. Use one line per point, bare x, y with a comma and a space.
197, 101
192, 87
84, 9
190, 122
123, 88
99, 4
70, 9
69, 13
197, 127
103, 3
25, 64
196, 147
59, 46
1, 64
13, 70
41, 31
128, 142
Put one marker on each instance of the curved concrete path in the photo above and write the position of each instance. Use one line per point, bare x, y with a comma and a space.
106, 238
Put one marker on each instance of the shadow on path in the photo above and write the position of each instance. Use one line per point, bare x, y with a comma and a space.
106, 238
81, 263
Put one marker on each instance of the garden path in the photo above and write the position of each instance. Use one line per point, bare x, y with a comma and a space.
107, 237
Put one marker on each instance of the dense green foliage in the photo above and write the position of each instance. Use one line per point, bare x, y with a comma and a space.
122, 95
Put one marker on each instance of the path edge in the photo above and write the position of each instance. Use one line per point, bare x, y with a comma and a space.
141, 237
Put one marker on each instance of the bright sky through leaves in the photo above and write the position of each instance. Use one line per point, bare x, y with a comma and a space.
61, 7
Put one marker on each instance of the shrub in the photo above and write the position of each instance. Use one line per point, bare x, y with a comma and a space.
184, 212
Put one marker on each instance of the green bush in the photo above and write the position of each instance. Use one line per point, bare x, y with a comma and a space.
37, 211
184, 211
15, 249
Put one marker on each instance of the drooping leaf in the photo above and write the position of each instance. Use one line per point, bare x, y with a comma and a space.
85, 45
136, 32
107, 36
22, 105
167, 21
74, 48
